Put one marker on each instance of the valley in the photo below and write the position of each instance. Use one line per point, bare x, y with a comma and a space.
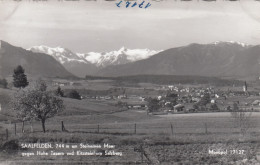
118, 113
147, 118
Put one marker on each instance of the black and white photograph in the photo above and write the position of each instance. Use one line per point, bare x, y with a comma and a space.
130, 82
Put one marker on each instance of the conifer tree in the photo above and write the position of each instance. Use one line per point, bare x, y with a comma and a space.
19, 78
59, 92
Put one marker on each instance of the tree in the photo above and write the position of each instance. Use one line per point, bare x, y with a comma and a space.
205, 99
3, 83
40, 85
74, 95
172, 99
59, 92
19, 78
214, 107
195, 106
153, 105
33, 103
235, 107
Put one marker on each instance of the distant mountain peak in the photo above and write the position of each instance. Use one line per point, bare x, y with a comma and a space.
120, 56
231, 42
73, 60
219, 58
43, 48
122, 49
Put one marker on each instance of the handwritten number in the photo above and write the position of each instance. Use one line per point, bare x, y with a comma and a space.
134, 4
148, 5
127, 4
141, 5
118, 4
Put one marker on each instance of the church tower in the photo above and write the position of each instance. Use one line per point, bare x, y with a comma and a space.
245, 87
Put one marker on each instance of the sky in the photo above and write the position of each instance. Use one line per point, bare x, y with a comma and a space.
100, 26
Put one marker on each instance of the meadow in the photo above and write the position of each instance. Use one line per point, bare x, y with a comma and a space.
188, 143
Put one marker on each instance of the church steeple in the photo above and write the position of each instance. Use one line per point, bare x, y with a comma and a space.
245, 87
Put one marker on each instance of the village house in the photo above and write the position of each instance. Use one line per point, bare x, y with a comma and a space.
213, 101
179, 108
256, 103
122, 96
137, 105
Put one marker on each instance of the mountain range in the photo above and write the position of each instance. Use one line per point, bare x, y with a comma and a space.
216, 59
82, 64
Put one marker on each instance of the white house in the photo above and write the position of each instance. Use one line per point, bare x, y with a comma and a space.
256, 102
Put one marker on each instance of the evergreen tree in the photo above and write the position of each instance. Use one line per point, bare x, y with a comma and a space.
19, 78
59, 92
74, 95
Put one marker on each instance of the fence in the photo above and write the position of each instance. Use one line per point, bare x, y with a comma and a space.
141, 128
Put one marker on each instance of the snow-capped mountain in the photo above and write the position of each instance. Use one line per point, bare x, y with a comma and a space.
81, 64
62, 55
231, 42
215, 59
70, 60
121, 56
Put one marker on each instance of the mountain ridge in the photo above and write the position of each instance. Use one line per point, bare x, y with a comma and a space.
91, 62
214, 59
35, 64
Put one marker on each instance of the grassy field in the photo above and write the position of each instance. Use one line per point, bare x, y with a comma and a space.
189, 139
126, 121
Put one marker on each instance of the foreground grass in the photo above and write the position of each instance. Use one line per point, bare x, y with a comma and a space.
176, 149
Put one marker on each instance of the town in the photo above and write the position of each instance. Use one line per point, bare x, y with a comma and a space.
177, 98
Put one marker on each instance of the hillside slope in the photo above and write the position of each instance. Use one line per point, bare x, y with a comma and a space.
216, 59
35, 64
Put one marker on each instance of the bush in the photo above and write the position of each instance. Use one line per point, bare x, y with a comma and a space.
214, 107
10, 146
74, 95
3, 83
